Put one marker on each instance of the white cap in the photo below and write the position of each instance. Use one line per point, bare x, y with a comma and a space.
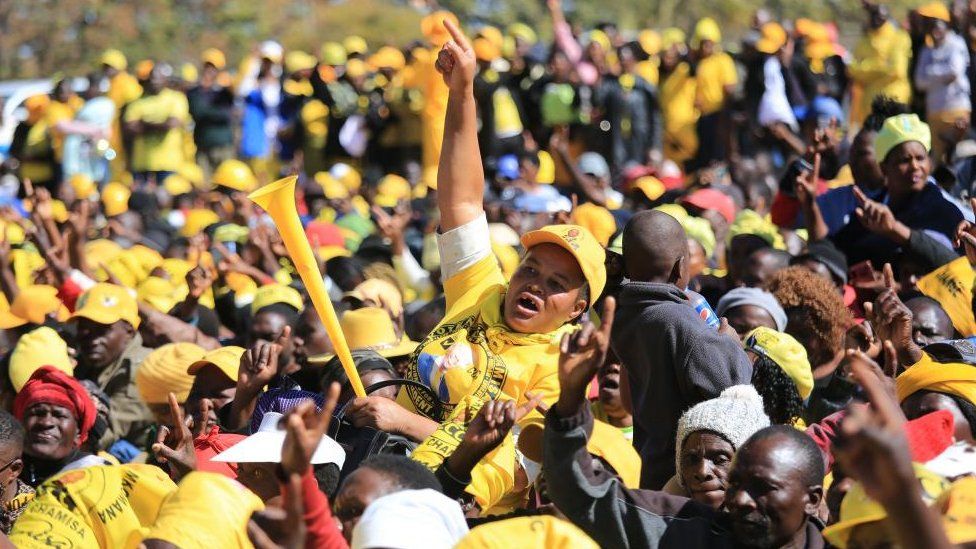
265, 445
410, 519
272, 50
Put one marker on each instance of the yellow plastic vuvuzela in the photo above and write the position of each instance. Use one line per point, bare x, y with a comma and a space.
278, 199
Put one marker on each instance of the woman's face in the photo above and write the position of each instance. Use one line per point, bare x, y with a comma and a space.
52, 432
545, 291
906, 168
259, 478
922, 403
704, 467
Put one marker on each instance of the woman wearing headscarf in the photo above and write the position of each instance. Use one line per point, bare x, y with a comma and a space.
928, 386
709, 434
58, 414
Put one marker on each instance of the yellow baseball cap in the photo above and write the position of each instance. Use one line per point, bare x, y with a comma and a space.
332, 188
935, 10
786, 352
160, 293
650, 41
164, 371
107, 304
101, 250
215, 57
650, 186
388, 57
596, 219
901, 129
236, 175
83, 186
523, 32
772, 37
390, 190
297, 60
485, 49
175, 184
347, 175
115, 199
332, 53
582, 244
197, 220
32, 305
706, 29
115, 59
857, 508
40, 347
355, 44
228, 359
269, 294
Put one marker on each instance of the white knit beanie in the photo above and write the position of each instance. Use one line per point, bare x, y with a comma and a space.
736, 414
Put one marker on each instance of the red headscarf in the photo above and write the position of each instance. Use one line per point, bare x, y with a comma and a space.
49, 385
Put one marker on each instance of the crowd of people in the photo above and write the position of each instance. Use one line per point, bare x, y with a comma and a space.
620, 289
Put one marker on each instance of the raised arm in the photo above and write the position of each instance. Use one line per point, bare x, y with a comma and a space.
460, 176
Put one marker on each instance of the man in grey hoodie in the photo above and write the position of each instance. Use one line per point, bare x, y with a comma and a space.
673, 359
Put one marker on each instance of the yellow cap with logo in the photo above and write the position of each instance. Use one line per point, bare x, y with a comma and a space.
786, 352
269, 294
107, 304
582, 244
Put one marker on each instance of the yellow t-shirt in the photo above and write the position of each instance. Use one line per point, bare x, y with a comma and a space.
715, 72
678, 92
58, 112
123, 89
472, 357
158, 151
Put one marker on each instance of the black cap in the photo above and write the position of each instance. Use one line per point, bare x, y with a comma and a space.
826, 253
952, 351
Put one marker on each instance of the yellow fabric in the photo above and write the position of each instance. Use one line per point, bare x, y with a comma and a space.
508, 122
750, 222
435, 102
355, 44
37, 144
955, 379
394, 188
269, 294
935, 10
197, 220
176, 184
107, 304
115, 199
103, 506
372, 328
160, 293
332, 53
40, 347
58, 112
227, 359
901, 129
952, 286
580, 242
297, 60
164, 371
159, 151
332, 188
202, 501
880, 67
388, 57
787, 353
857, 508
82, 185
648, 70
508, 259
772, 37
382, 293
609, 443
101, 251
481, 359
32, 305
540, 531
234, 174
25, 262
957, 505
649, 186
123, 88
678, 92
715, 72
596, 219
547, 169
700, 230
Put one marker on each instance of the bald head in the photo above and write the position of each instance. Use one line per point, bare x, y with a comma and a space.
656, 249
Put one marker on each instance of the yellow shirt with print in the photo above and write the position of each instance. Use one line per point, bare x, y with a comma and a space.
501, 364
158, 151
714, 73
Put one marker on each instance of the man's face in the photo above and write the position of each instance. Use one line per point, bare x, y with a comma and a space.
267, 326
766, 496
929, 323
746, 318
310, 338
544, 292
52, 432
760, 265
359, 490
99, 345
864, 166
10, 461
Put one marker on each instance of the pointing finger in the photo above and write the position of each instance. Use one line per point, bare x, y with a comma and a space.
457, 35
889, 276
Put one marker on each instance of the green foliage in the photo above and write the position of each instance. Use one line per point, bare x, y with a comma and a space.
42, 37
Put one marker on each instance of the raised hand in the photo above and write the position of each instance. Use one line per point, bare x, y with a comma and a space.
304, 428
580, 356
879, 219
892, 320
456, 61
393, 226
259, 364
495, 419
806, 182
174, 444
966, 236
198, 280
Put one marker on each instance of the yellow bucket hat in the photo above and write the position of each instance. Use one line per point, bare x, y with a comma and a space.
371, 328
935, 10
787, 353
176, 184
164, 371
901, 129
107, 304
348, 176
227, 359
378, 292
580, 242
269, 294
40, 347
159, 293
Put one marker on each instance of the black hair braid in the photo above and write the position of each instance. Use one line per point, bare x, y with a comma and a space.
781, 399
